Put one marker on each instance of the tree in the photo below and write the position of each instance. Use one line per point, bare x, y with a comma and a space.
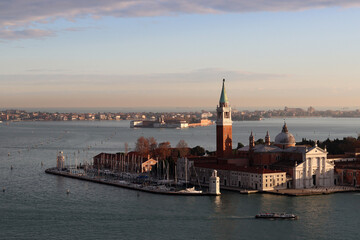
259, 141
152, 143
240, 145
164, 150
142, 146
304, 141
182, 148
197, 151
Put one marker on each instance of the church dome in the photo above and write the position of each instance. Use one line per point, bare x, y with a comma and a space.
285, 138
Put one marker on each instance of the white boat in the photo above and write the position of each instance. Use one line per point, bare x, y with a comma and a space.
190, 190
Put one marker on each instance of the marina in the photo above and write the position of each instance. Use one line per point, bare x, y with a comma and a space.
149, 188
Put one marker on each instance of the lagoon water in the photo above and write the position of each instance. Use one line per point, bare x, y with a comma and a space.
35, 205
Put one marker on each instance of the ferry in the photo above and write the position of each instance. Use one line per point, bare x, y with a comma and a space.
276, 216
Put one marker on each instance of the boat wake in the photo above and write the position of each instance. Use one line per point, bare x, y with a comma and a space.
233, 217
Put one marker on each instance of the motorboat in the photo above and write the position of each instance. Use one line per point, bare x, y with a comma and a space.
190, 190
276, 216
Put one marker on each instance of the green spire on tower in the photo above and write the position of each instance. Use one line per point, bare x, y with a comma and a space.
223, 97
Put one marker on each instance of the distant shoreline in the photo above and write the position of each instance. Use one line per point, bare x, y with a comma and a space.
119, 120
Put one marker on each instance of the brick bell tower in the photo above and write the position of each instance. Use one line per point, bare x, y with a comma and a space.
223, 126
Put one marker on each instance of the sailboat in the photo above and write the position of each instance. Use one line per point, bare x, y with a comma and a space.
192, 189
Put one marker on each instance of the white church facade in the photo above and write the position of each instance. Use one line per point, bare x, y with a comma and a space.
315, 171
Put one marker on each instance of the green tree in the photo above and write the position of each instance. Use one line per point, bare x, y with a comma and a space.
197, 151
240, 145
259, 141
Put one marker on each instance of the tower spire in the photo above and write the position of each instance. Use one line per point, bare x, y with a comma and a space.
223, 97
251, 141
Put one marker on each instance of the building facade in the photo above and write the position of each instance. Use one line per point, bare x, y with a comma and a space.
231, 176
314, 171
306, 167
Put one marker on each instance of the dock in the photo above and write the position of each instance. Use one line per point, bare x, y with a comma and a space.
313, 191
296, 192
123, 184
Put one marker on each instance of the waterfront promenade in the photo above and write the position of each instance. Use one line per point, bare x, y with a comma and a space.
314, 191
298, 192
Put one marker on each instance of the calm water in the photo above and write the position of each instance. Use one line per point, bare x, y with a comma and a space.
35, 205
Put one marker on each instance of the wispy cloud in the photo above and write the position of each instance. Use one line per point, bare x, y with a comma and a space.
24, 34
55, 77
17, 14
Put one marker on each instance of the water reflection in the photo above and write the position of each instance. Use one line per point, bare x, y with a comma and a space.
217, 203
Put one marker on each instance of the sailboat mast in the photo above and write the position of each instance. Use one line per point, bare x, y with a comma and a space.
186, 172
175, 175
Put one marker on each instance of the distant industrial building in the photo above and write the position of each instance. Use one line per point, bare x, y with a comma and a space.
169, 123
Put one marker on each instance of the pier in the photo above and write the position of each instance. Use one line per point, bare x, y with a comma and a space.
123, 184
314, 191
297, 192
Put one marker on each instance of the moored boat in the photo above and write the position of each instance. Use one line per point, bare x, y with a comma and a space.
276, 216
190, 190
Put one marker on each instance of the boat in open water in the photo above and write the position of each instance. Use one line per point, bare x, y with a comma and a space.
276, 216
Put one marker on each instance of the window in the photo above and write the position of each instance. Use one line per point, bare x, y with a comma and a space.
227, 115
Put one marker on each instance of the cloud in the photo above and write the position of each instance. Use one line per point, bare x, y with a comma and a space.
24, 34
56, 77
17, 14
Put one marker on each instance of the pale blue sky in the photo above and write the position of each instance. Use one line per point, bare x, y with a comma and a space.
270, 58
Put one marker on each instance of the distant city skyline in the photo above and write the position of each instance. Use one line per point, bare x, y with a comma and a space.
136, 54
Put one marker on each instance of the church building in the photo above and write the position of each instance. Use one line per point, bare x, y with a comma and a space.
305, 166
269, 166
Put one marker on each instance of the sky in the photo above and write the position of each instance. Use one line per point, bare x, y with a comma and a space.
166, 53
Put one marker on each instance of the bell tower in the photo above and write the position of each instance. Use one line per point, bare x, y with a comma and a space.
223, 126
251, 141
267, 139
